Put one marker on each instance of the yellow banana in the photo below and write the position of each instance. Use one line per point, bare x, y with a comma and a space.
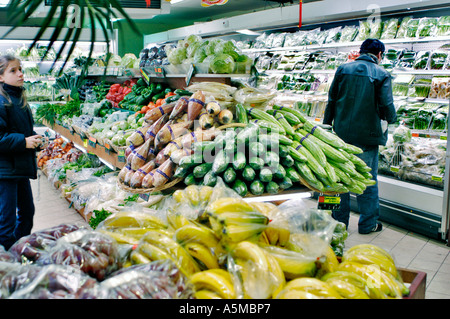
250, 251
272, 234
263, 239
170, 246
228, 204
255, 282
197, 233
292, 263
134, 219
296, 294
203, 254
206, 294
276, 273
215, 225
205, 193
153, 252
228, 218
346, 289
217, 280
242, 232
264, 207
283, 236
177, 220
192, 194
370, 247
330, 262
368, 258
356, 280
120, 238
180, 196
138, 232
314, 286
138, 258
371, 273
395, 290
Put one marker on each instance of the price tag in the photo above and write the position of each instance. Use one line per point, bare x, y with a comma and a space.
436, 178
121, 156
394, 169
329, 202
190, 74
159, 71
443, 137
92, 142
144, 196
145, 76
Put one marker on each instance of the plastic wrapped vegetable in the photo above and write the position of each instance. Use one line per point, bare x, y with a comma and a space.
348, 33
376, 29
403, 28
443, 26
177, 55
426, 27
222, 64
364, 31
6, 256
390, 28
402, 134
421, 62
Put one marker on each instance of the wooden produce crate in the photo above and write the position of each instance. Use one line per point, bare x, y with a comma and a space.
416, 280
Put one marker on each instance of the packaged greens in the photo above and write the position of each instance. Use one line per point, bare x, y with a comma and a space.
426, 27
411, 28
402, 29
376, 28
278, 40
333, 35
421, 62
364, 31
348, 33
443, 26
390, 28
438, 60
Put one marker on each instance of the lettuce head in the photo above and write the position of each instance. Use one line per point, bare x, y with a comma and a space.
222, 63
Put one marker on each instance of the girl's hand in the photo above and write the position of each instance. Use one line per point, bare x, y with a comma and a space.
33, 141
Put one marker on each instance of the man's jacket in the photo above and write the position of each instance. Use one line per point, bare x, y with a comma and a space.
360, 97
16, 123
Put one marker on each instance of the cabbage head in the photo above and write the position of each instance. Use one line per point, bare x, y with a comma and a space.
199, 55
210, 48
402, 134
193, 38
222, 64
177, 55
228, 47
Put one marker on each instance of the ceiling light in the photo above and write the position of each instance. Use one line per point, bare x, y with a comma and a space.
248, 32
175, 1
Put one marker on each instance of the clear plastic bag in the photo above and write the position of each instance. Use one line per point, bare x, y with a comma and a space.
29, 249
92, 252
6, 256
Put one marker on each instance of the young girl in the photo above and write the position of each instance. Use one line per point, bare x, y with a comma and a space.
18, 143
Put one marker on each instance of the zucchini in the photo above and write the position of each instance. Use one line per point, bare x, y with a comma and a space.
267, 127
332, 176
256, 149
310, 160
268, 141
327, 149
264, 116
256, 187
220, 162
210, 179
283, 151
249, 132
322, 134
229, 176
240, 187
182, 92
352, 149
265, 175
285, 124
292, 111
286, 183
248, 173
190, 179
346, 167
191, 160
201, 170
344, 178
287, 161
296, 155
292, 174
279, 172
354, 188
308, 176
272, 187
181, 172
256, 163
239, 161
272, 159
291, 118
315, 149
241, 114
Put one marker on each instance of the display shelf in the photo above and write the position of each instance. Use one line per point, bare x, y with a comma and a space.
104, 153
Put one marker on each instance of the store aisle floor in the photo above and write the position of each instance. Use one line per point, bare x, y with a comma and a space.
409, 250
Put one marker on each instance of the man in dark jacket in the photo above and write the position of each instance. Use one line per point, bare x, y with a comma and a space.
360, 105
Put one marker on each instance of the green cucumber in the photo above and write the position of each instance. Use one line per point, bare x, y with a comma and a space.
229, 176
256, 149
286, 183
240, 187
241, 114
266, 126
327, 149
220, 162
283, 150
239, 161
271, 159
190, 179
181, 172
256, 163
279, 172
313, 147
287, 161
297, 113
210, 179
250, 132
201, 170
272, 187
248, 173
191, 160
310, 160
256, 187
292, 174
265, 175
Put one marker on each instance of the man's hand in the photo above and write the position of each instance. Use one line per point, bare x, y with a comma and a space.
33, 141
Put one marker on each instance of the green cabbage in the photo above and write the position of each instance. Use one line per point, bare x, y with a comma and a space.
228, 47
402, 134
210, 48
128, 60
177, 55
222, 63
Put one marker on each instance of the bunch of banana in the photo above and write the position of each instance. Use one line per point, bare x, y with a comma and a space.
327, 263
377, 265
213, 284
259, 273
235, 220
159, 245
202, 244
351, 285
308, 288
294, 264
194, 195
176, 219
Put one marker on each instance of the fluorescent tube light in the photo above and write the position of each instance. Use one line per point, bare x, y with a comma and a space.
248, 32
278, 197
175, 1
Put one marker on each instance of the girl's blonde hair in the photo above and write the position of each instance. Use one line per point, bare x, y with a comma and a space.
4, 62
